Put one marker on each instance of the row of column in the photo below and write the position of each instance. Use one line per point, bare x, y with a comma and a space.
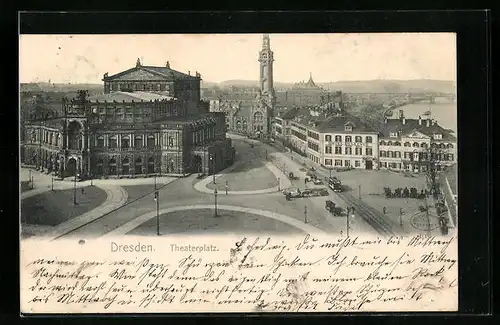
131, 137
200, 136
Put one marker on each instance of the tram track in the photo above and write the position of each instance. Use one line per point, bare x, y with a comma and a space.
369, 215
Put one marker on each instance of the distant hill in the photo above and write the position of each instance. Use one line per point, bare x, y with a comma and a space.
363, 86
60, 87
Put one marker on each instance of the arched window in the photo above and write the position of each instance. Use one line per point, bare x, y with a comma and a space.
151, 141
368, 139
238, 125
389, 143
449, 146
244, 125
358, 139
99, 170
151, 165
138, 166
407, 144
396, 143
423, 145
415, 144
382, 153
348, 138
112, 166
112, 142
100, 141
75, 136
382, 143
338, 138
442, 146
125, 142
125, 166
138, 141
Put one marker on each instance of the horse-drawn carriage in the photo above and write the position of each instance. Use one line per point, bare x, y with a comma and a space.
333, 208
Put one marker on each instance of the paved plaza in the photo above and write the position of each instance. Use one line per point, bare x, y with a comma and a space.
253, 203
203, 221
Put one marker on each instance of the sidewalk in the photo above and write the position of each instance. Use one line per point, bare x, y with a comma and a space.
43, 182
201, 186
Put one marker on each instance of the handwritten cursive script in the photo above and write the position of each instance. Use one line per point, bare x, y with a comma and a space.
260, 274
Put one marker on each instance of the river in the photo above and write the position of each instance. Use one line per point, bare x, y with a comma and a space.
443, 111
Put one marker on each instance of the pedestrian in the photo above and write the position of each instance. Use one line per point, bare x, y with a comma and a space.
384, 210
83, 191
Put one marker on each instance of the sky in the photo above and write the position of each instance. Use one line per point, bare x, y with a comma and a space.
220, 57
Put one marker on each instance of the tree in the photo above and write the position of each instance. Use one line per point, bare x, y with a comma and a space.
432, 158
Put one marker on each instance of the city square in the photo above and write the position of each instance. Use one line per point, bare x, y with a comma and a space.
156, 153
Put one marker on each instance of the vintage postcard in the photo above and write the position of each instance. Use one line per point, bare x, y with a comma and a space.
238, 173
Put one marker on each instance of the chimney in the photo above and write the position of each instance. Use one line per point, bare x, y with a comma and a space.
404, 120
428, 122
420, 120
189, 73
401, 114
168, 64
385, 120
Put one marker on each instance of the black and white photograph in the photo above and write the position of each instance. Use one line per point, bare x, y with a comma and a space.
156, 136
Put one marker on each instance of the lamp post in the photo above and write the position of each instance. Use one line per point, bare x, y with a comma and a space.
330, 173
305, 214
279, 184
157, 199
359, 192
52, 184
212, 160
347, 222
74, 187
215, 205
226, 187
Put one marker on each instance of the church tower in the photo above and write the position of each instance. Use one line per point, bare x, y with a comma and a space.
266, 59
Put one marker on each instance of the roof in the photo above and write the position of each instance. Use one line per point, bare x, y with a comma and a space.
121, 96
396, 125
337, 124
142, 72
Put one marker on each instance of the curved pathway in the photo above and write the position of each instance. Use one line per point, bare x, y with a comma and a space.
116, 197
129, 226
201, 186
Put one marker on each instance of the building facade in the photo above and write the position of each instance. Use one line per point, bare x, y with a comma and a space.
307, 94
411, 144
149, 121
341, 140
251, 112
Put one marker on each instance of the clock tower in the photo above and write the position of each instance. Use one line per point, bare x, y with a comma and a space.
266, 59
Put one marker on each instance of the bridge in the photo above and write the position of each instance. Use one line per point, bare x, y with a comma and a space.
409, 97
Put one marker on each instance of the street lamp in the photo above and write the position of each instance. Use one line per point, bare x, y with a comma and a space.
157, 199
215, 196
74, 187
212, 160
279, 184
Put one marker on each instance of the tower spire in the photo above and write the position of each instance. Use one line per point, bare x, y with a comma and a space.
266, 42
